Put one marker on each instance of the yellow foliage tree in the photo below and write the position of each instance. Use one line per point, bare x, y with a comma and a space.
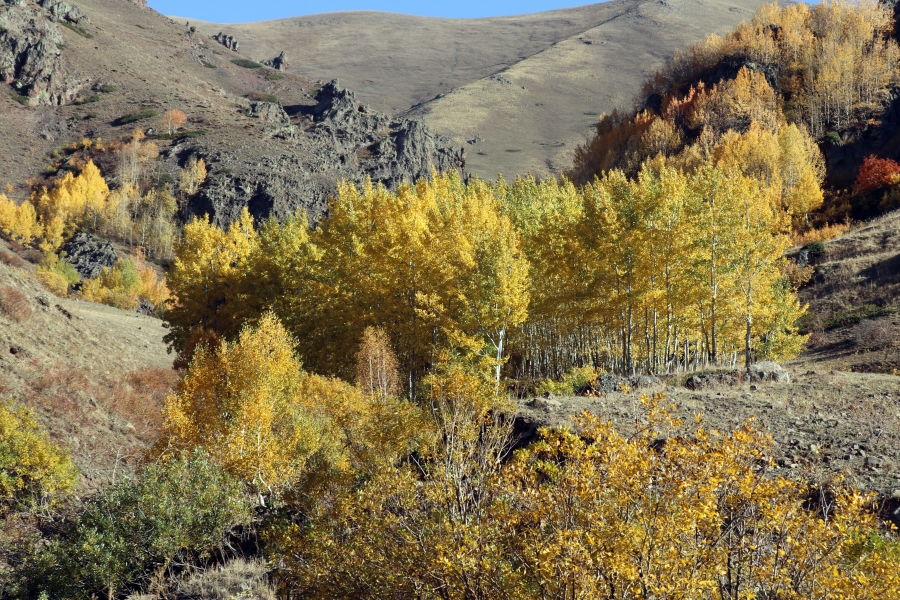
20, 222
72, 203
192, 175
249, 404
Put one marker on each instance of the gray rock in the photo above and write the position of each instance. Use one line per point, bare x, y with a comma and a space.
30, 58
270, 112
63, 11
608, 383
279, 62
699, 381
226, 40
89, 255
347, 141
768, 370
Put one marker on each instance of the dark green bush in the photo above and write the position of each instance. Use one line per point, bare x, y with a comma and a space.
173, 513
815, 249
852, 316
835, 138
247, 64
272, 76
88, 100
23, 100
79, 30
144, 113
208, 64
107, 88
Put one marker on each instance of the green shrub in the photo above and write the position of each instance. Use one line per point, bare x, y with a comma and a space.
57, 263
144, 113
79, 30
173, 512
23, 100
815, 249
182, 135
852, 316
60, 46
90, 99
208, 64
247, 64
834, 138
107, 88
272, 76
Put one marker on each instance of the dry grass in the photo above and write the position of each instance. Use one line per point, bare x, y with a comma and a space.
14, 304
236, 579
12, 260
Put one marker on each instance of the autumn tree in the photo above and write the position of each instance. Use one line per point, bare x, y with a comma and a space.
192, 175
875, 173
376, 365
172, 120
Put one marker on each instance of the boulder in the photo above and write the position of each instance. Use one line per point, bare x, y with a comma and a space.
279, 62
226, 40
89, 255
768, 370
63, 11
270, 112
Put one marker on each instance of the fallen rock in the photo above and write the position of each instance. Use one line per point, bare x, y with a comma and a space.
279, 62
63, 11
768, 370
89, 255
270, 112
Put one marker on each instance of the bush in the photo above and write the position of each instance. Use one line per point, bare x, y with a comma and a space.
573, 381
23, 100
79, 30
57, 263
815, 250
247, 64
31, 466
14, 304
875, 173
144, 113
174, 512
272, 76
107, 88
54, 283
11, 260
208, 64
875, 335
834, 138
117, 286
89, 100
852, 316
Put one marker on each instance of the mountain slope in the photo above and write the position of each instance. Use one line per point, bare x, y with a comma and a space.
573, 65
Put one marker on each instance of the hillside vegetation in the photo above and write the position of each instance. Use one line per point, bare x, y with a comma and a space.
343, 420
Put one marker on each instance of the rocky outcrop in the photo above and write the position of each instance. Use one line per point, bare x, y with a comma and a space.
89, 255
270, 112
63, 11
279, 62
345, 141
227, 40
30, 57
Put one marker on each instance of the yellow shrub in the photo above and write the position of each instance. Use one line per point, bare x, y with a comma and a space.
31, 466
54, 282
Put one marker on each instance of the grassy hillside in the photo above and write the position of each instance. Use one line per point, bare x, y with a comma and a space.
524, 89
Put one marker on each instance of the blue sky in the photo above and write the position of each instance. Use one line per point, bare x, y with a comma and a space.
234, 11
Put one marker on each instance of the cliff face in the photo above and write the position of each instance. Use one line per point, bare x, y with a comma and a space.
338, 139
31, 49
